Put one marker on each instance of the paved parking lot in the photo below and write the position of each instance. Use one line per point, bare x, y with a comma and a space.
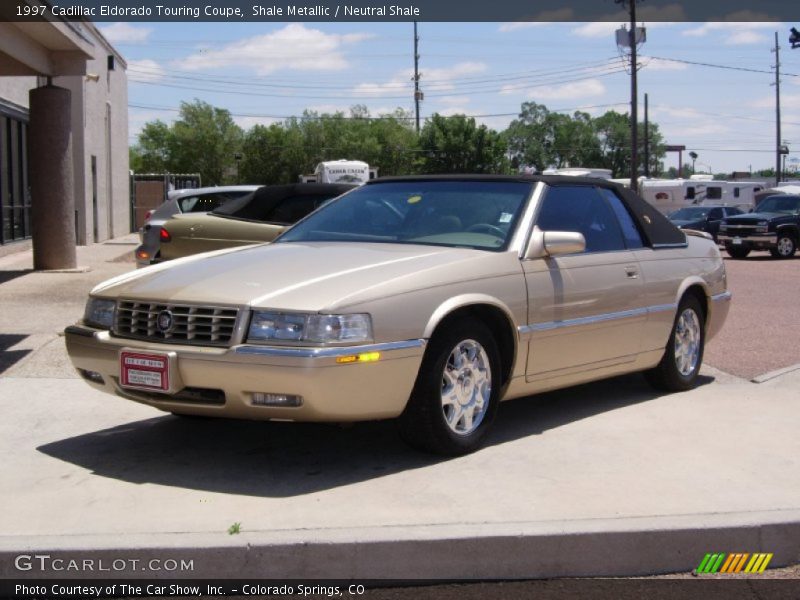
762, 332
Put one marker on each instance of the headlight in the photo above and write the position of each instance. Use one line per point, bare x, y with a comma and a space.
99, 313
762, 227
269, 326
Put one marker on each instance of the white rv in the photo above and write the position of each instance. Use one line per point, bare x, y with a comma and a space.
341, 171
580, 172
668, 195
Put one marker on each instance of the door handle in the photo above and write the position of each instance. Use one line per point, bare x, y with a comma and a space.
632, 272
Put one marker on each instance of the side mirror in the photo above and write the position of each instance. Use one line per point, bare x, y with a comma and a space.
554, 243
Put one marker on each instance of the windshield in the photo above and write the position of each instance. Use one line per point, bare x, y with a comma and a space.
474, 214
689, 214
780, 204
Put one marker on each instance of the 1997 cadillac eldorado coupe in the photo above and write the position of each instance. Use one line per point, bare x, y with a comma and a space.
425, 299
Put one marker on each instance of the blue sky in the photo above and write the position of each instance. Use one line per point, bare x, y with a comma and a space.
264, 71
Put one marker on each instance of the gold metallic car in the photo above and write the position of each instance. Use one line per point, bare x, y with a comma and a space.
426, 299
258, 217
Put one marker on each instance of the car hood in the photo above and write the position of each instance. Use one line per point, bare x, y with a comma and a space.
755, 216
315, 276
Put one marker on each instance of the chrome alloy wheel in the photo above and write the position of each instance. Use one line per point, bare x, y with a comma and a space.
466, 387
785, 246
687, 342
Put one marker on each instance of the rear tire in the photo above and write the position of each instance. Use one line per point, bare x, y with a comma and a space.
785, 248
456, 394
736, 252
683, 356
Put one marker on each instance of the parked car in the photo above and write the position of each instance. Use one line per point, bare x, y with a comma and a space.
252, 219
196, 200
775, 226
703, 217
425, 299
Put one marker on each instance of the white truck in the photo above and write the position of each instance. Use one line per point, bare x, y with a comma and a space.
341, 171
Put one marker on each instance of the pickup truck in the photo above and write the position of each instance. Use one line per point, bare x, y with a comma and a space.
774, 226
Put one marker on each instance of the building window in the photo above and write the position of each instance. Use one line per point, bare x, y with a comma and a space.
15, 204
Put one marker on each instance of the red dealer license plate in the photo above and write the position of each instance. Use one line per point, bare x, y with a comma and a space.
144, 371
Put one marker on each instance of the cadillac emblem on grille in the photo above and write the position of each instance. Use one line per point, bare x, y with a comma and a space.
164, 321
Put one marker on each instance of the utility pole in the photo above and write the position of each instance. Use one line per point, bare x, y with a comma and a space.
624, 40
777, 51
417, 93
634, 105
646, 139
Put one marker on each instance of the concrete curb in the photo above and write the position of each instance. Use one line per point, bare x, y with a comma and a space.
601, 547
775, 374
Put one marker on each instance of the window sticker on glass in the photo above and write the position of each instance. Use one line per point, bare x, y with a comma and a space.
414, 199
505, 217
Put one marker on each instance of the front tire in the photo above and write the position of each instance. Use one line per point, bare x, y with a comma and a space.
736, 251
785, 248
683, 356
456, 395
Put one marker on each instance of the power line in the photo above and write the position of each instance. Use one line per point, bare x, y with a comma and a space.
379, 118
717, 66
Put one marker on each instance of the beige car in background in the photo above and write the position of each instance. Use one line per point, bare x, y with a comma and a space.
426, 299
258, 217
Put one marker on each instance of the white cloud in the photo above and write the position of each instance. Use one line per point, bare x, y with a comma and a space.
138, 117
598, 29
145, 70
120, 33
294, 47
569, 91
787, 100
748, 29
432, 80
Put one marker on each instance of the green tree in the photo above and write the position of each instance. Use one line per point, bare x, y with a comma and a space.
153, 149
458, 145
205, 139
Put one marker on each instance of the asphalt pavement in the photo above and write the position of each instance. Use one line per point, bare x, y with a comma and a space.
610, 478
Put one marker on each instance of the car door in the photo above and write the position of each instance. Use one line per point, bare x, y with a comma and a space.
585, 311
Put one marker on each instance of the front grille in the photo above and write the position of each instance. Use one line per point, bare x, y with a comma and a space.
740, 231
201, 325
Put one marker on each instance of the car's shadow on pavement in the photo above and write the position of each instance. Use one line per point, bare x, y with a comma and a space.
275, 459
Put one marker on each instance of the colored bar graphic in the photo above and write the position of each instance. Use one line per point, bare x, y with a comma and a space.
727, 564
719, 562
704, 563
741, 562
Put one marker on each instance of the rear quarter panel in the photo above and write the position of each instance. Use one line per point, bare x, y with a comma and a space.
668, 273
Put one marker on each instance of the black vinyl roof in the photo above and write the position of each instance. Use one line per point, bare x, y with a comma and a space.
657, 229
264, 199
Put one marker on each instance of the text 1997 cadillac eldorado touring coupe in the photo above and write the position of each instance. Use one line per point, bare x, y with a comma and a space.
426, 299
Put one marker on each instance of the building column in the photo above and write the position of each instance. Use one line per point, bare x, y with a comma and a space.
51, 179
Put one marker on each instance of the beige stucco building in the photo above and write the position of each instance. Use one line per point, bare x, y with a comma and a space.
63, 139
